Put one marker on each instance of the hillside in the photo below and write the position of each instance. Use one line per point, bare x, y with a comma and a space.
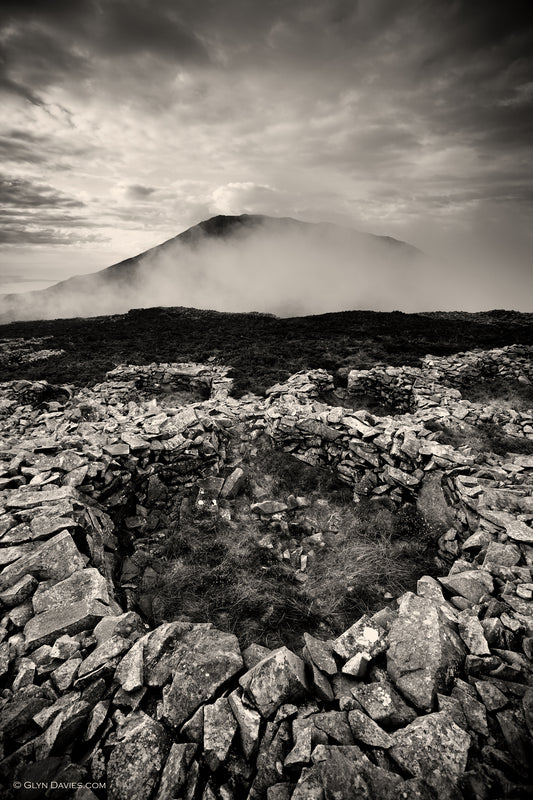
241, 263
261, 349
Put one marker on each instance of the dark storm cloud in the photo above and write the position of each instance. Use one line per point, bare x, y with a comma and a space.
138, 192
47, 43
32, 148
16, 148
14, 234
23, 193
35, 213
465, 57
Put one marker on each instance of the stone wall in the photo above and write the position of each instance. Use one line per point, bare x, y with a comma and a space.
158, 379
430, 697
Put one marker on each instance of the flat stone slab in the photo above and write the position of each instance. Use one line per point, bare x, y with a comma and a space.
31, 499
86, 584
56, 559
47, 627
518, 531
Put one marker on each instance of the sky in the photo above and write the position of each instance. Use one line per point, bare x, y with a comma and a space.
124, 122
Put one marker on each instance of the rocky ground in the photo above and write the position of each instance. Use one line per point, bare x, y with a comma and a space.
429, 696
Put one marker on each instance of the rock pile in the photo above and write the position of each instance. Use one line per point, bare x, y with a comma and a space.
25, 351
432, 697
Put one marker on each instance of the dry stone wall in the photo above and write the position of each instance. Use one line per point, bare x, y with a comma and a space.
431, 697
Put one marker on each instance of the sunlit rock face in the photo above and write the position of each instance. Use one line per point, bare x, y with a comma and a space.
245, 263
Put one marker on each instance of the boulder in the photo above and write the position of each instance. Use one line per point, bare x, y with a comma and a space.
471, 584
136, 761
19, 711
128, 625
432, 742
273, 751
65, 727
383, 704
472, 634
63, 676
275, 680
232, 484
130, 671
424, 652
302, 736
176, 771
220, 726
518, 531
320, 654
507, 555
105, 653
202, 661
335, 724
19, 592
367, 731
364, 636
249, 722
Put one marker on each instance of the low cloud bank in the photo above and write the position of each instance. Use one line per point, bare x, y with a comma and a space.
286, 269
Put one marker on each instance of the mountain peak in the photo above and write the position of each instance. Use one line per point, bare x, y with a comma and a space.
246, 262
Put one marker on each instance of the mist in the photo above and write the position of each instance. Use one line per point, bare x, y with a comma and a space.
279, 266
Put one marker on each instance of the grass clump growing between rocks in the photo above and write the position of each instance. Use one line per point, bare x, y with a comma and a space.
284, 474
217, 572
377, 553
236, 575
509, 394
483, 438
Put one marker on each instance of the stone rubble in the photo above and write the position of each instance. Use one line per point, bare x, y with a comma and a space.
430, 698
25, 351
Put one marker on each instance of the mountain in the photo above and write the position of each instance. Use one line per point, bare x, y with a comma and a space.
242, 263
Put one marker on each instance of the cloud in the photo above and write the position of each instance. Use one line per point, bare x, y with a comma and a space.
53, 43
241, 198
23, 193
138, 192
35, 213
411, 119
